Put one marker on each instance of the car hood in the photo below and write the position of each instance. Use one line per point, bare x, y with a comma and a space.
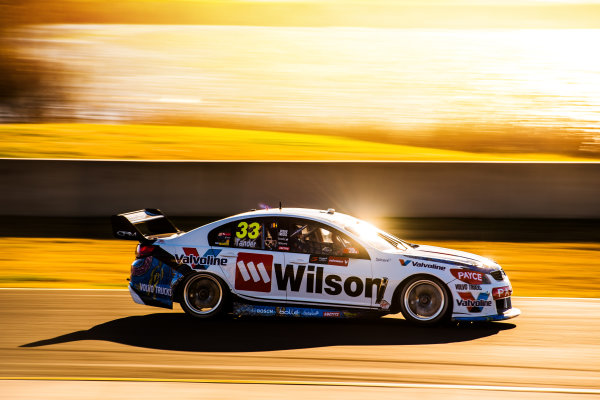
470, 260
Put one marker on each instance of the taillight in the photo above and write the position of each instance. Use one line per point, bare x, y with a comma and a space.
144, 250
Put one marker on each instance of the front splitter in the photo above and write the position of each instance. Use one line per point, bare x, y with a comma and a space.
512, 313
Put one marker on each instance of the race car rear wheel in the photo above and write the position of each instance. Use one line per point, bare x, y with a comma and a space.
203, 296
424, 301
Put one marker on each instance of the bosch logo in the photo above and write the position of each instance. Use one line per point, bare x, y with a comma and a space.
253, 272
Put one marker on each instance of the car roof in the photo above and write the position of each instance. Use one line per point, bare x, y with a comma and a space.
329, 215
338, 220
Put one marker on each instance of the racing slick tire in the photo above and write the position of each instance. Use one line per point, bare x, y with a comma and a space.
425, 300
204, 296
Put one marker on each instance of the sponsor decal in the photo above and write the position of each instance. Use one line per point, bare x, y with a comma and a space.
412, 259
253, 272
340, 261
245, 243
466, 286
156, 282
383, 259
316, 259
282, 240
127, 234
384, 305
156, 276
192, 258
242, 309
472, 277
257, 310
330, 260
443, 261
156, 289
310, 313
292, 312
223, 239
270, 244
501, 292
332, 314
154, 279
249, 230
140, 267
350, 250
426, 265
292, 277
472, 304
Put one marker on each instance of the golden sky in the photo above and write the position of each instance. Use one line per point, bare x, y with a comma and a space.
462, 14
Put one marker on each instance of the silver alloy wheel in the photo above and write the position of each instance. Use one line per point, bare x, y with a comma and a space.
424, 300
203, 294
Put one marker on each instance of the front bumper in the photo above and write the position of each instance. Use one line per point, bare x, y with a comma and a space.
508, 314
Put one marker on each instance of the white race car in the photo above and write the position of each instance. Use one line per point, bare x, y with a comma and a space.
307, 263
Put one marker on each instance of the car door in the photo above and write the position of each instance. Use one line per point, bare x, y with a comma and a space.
325, 267
252, 255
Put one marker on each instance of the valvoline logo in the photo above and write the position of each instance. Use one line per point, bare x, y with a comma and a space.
192, 258
253, 272
472, 304
404, 263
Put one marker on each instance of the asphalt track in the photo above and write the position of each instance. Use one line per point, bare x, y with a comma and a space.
98, 343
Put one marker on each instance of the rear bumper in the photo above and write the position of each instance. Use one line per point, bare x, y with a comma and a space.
508, 314
136, 298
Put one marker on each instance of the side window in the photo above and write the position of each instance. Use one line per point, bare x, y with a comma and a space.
221, 236
285, 234
276, 234
248, 234
311, 237
270, 233
349, 247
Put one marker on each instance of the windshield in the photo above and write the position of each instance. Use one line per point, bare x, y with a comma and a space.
376, 237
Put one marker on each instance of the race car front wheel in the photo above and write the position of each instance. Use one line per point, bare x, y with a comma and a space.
424, 301
204, 296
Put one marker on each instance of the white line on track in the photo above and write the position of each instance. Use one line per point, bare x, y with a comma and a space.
531, 389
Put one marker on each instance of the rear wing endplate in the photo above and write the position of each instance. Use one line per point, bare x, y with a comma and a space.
142, 225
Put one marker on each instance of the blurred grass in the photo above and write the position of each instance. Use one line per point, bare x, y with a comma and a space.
65, 263
153, 142
535, 269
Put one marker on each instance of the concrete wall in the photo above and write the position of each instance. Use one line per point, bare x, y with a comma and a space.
367, 189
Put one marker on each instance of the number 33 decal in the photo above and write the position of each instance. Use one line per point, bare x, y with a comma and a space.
252, 230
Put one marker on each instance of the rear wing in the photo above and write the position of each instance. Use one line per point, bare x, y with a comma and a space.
142, 225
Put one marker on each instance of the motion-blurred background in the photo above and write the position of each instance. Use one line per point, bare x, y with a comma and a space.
516, 79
